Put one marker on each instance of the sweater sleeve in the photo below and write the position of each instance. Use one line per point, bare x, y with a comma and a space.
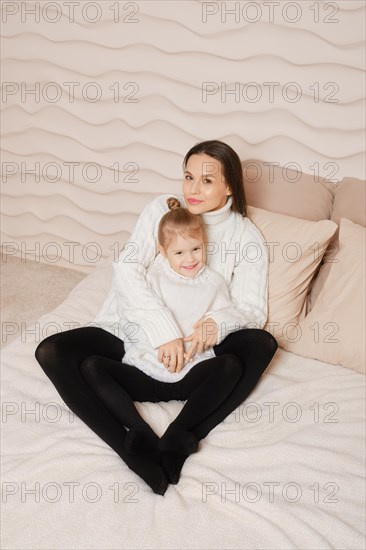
248, 288
136, 300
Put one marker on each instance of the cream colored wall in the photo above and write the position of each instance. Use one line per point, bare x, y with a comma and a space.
158, 55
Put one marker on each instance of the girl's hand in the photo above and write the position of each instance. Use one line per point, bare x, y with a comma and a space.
202, 338
171, 355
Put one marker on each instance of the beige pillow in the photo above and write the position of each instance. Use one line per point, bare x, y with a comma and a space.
295, 248
334, 331
287, 191
349, 202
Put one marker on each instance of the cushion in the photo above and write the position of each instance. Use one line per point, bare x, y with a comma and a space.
295, 248
349, 202
287, 191
334, 331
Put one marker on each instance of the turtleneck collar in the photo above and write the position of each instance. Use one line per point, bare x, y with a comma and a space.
217, 216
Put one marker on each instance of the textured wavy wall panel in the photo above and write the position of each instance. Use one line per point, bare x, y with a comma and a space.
127, 146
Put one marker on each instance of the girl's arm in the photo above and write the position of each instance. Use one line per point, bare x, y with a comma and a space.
135, 298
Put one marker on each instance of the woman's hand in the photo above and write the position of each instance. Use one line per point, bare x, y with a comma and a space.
171, 355
203, 337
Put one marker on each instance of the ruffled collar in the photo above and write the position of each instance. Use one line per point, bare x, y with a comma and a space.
166, 265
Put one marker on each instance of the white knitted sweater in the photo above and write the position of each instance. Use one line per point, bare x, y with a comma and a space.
189, 299
236, 250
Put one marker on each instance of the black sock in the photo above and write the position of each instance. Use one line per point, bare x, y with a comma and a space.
173, 464
140, 440
178, 440
147, 466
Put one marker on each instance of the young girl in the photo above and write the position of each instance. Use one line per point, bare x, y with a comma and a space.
191, 290
188, 287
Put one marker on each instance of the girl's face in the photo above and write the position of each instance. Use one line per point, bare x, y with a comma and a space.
204, 186
185, 255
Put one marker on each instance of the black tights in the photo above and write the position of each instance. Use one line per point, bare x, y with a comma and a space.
84, 364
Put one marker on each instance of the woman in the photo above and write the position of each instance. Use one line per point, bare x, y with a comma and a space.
213, 188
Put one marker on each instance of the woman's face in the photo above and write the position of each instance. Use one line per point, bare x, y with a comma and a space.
204, 185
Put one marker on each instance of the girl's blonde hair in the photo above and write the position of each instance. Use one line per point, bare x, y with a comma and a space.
179, 221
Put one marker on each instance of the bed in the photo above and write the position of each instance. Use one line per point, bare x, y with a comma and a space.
285, 470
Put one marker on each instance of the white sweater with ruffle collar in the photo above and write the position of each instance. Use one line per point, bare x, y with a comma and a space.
189, 299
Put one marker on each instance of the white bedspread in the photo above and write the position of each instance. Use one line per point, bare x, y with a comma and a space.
286, 470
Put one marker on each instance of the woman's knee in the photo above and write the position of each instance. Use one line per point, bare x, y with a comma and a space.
257, 338
267, 340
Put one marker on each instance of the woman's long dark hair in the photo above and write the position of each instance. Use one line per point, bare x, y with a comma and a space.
231, 167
